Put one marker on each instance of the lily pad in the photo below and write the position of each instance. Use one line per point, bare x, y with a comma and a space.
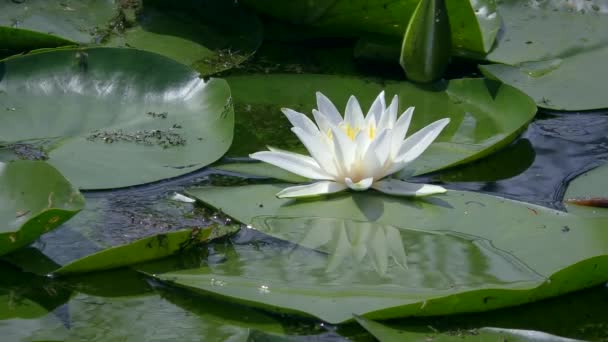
209, 36
150, 248
560, 66
485, 116
119, 231
148, 317
474, 23
571, 83
590, 186
534, 31
385, 333
105, 120
385, 257
32, 24
34, 199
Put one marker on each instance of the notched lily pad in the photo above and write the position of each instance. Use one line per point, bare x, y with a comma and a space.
459, 252
485, 115
105, 120
34, 199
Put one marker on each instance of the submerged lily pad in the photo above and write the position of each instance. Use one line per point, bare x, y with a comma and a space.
117, 232
150, 248
386, 333
586, 189
209, 36
170, 317
474, 23
484, 115
34, 199
110, 118
386, 257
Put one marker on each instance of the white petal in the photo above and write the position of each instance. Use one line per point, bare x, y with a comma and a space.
362, 141
389, 117
322, 121
300, 120
326, 107
353, 114
361, 185
301, 165
400, 130
344, 150
400, 188
319, 150
372, 163
309, 190
181, 198
377, 108
413, 146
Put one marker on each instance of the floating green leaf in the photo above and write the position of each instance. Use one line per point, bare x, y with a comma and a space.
463, 252
534, 31
146, 249
34, 199
560, 66
484, 115
33, 24
114, 232
110, 118
571, 83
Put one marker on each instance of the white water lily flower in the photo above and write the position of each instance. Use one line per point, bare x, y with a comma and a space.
356, 152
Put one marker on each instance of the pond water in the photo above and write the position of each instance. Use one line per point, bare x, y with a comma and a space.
125, 304
535, 168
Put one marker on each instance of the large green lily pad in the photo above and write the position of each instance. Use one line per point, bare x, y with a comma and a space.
368, 253
484, 115
34, 199
571, 83
110, 118
474, 23
560, 66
